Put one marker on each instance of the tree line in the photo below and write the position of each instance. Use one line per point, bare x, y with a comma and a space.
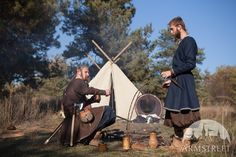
28, 30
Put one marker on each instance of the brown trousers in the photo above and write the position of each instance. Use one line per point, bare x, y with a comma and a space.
181, 120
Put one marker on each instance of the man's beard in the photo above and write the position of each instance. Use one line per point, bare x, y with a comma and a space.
87, 79
177, 35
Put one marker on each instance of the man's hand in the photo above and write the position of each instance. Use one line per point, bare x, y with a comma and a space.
166, 74
108, 92
97, 98
166, 84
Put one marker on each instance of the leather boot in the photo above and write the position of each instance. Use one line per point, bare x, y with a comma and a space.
180, 145
96, 140
176, 144
186, 143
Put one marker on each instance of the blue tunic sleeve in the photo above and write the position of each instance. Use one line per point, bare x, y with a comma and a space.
185, 56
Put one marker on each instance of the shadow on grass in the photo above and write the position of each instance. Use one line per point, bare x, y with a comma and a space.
32, 146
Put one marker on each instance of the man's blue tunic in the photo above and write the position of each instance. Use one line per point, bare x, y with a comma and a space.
184, 61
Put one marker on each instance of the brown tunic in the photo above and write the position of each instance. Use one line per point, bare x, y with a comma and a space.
81, 130
76, 92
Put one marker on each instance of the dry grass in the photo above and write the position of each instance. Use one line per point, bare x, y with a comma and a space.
37, 131
23, 107
218, 111
225, 114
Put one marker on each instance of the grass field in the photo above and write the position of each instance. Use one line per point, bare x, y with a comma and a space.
36, 132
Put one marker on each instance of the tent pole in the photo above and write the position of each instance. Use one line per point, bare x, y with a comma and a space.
112, 96
102, 51
123, 118
116, 57
90, 58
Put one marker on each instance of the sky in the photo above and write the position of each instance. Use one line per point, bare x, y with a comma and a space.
211, 22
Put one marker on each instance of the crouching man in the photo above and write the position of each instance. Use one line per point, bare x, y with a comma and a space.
82, 124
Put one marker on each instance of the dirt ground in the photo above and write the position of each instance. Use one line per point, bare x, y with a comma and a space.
31, 144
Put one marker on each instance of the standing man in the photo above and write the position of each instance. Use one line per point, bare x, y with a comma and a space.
181, 103
83, 123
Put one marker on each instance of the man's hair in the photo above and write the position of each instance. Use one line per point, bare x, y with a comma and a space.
82, 67
177, 21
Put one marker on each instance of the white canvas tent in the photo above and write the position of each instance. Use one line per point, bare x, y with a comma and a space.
124, 92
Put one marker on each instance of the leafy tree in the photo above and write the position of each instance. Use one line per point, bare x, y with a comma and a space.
136, 62
202, 90
58, 80
58, 67
222, 84
104, 21
26, 32
107, 22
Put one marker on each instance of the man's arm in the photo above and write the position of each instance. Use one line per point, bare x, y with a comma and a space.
190, 52
84, 89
